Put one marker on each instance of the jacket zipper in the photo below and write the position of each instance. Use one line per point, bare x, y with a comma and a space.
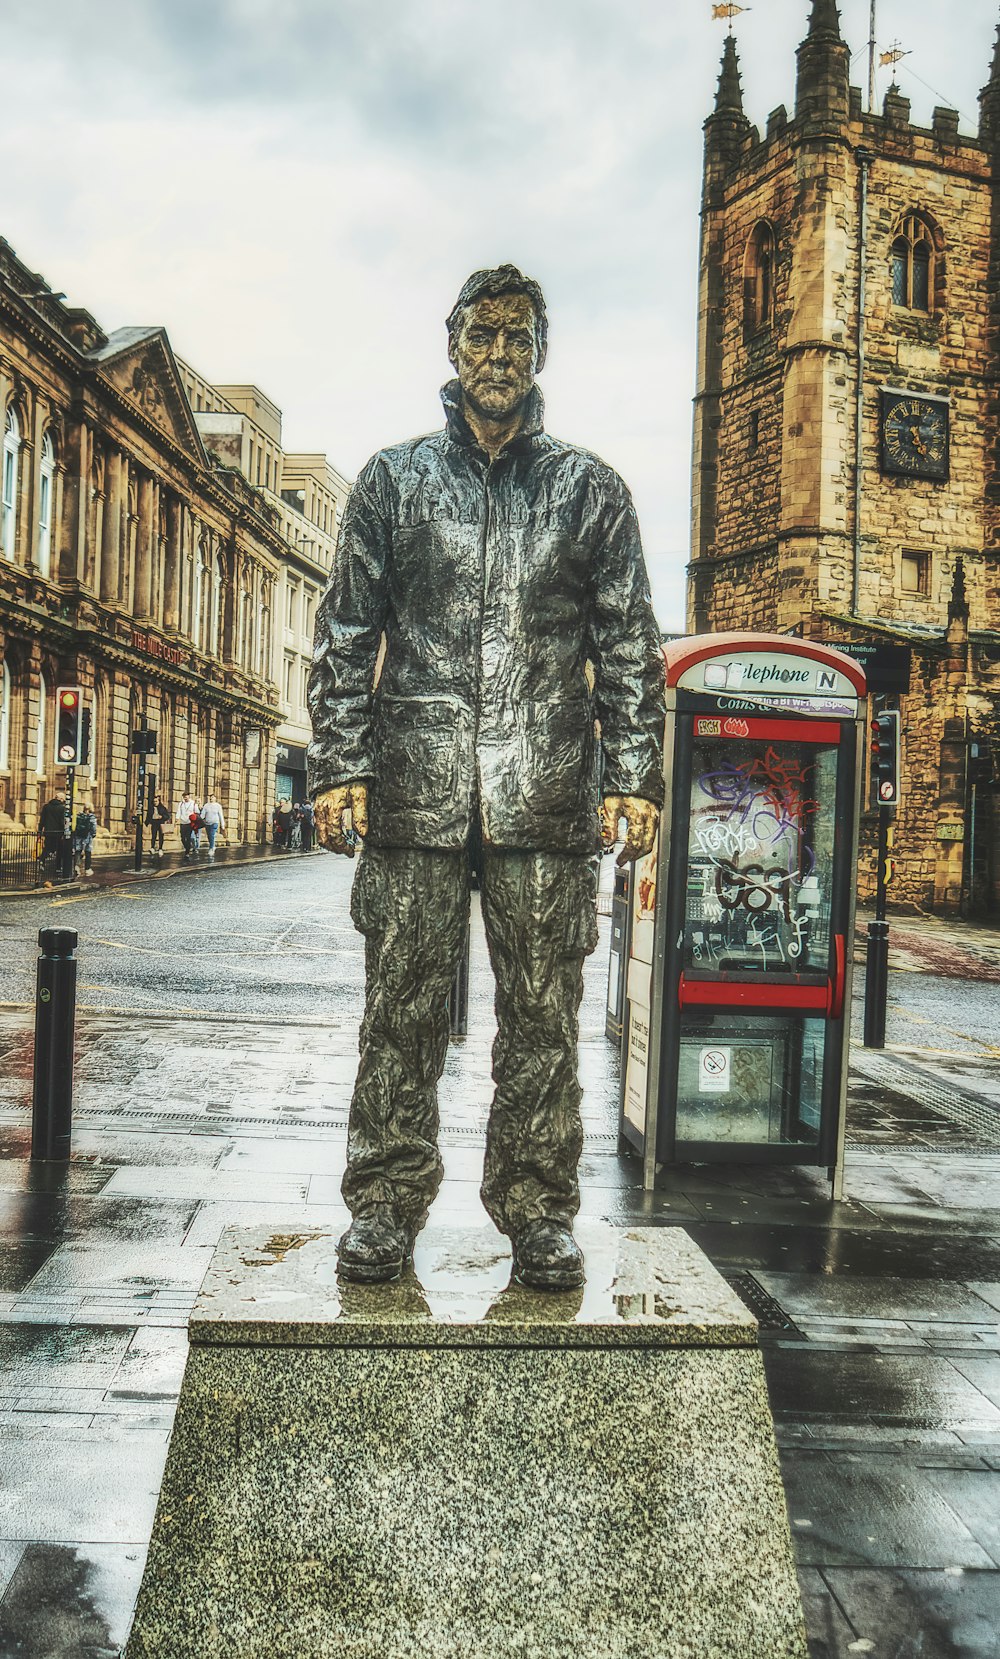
483, 546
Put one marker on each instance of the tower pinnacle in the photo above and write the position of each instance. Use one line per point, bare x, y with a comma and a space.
989, 99
729, 97
825, 20
822, 95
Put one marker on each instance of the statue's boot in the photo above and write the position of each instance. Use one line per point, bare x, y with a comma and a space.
376, 1246
547, 1256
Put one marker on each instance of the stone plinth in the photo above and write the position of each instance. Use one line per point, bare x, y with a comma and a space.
453, 1467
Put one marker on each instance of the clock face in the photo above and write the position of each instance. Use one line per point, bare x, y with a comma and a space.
914, 436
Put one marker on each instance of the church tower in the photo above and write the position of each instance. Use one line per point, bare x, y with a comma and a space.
846, 463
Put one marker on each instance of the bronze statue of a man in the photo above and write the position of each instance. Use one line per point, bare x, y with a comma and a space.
496, 563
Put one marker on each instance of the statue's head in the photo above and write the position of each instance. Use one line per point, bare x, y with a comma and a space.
497, 338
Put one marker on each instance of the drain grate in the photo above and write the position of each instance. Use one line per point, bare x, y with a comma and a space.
912, 1149
234, 1122
968, 1111
769, 1314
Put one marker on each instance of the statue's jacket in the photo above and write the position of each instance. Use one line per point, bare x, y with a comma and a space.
494, 584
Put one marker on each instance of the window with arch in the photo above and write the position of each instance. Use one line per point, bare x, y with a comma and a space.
246, 600
200, 619
46, 491
758, 279
8, 493
263, 630
915, 264
218, 584
40, 730
5, 696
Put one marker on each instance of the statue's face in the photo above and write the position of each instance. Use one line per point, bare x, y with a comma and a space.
495, 353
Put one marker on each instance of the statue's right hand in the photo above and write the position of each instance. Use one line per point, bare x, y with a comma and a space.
336, 811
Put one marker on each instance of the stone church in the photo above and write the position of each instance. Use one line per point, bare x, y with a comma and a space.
846, 462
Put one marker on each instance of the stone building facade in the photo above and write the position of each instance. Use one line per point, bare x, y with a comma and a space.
140, 560
241, 429
845, 471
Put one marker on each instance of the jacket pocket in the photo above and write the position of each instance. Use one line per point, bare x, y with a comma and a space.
420, 745
557, 756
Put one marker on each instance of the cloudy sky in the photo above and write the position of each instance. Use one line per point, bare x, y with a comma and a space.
297, 188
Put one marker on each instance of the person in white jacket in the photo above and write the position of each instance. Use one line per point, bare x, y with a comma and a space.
187, 809
214, 820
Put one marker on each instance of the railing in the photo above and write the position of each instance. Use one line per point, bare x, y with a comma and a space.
20, 859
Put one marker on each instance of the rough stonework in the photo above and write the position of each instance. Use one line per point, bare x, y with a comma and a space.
777, 541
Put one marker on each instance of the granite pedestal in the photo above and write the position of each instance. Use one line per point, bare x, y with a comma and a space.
453, 1467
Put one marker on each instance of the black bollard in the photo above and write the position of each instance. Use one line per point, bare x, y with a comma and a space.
876, 983
458, 999
55, 1019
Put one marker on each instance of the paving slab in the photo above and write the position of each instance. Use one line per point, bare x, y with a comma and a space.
878, 1299
830, 1632
97, 1488
847, 1510
919, 1615
891, 1389
70, 1601
67, 1356
105, 1264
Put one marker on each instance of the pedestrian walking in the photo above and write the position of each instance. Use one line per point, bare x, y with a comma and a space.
307, 825
84, 832
159, 816
214, 821
52, 828
188, 817
281, 824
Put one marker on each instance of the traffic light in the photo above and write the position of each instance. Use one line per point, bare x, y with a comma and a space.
144, 742
885, 757
69, 726
981, 761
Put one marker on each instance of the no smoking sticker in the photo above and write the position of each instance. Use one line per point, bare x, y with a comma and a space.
714, 1070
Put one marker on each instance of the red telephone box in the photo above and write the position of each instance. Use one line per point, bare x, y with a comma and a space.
738, 1016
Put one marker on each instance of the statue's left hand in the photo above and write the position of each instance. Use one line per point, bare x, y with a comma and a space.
331, 810
641, 819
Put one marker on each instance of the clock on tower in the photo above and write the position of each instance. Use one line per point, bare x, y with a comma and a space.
914, 435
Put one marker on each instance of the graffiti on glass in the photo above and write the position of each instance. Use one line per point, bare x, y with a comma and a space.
753, 881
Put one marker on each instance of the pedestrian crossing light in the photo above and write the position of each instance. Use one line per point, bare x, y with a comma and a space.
69, 725
885, 757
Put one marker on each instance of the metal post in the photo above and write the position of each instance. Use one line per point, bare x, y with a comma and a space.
971, 881
65, 860
864, 161
877, 953
458, 999
55, 1019
140, 793
871, 62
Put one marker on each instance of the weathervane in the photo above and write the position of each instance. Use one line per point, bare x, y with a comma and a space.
728, 10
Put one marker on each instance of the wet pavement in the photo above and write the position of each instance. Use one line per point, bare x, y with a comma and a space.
217, 1040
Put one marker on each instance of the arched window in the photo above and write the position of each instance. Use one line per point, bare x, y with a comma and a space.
43, 699
263, 628
46, 488
218, 584
198, 581
758, 279
8, 496
245, 643
914, 264
5, 695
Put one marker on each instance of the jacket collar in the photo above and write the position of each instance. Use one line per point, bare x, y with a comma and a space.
460, 431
